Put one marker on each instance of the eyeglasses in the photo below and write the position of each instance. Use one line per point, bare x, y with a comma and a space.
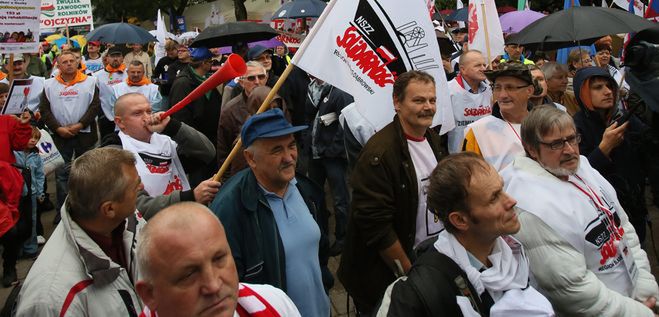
263, 57
498, 88
573, 140
253, 77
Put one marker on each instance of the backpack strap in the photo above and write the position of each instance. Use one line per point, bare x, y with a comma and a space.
433, 266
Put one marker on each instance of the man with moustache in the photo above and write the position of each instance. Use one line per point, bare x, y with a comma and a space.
269, 215
388, 216
583, 251
186, 269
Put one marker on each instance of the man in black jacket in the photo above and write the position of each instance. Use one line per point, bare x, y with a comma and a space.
202, 114
325, 150
388, 215
473, 268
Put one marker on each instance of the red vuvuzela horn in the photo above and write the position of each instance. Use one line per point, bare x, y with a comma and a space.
233, 67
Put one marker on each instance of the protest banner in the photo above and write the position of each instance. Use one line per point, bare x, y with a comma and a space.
18, 96
63, 13
484, 28
362, 46
19, 26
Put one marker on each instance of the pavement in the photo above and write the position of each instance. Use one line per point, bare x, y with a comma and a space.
340, 304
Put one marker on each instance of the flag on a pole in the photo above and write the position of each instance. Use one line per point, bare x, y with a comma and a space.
161, 30
652, 10
362, 46
484, 27
458, 6
625, 4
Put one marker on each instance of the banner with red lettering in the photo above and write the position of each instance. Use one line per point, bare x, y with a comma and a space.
484, 29
361, 47
19, 26
60, 13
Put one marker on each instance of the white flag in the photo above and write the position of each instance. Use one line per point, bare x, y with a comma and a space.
604, 4
362, 46
161, 31
485, 37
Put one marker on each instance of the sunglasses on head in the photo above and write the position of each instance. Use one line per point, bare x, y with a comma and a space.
253, 77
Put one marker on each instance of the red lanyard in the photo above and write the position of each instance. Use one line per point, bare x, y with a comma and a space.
598, 203
514, 131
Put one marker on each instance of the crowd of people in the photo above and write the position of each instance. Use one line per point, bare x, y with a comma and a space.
533, 205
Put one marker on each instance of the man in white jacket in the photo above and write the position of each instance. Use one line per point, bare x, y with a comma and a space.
187, 269
583, 252
87, 267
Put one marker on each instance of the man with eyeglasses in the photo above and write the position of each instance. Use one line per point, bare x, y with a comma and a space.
583, 251
624, 153
496, 137
235, 112
202, 114
514, 52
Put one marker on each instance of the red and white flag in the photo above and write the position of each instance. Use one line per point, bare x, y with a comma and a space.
485, 32
361, 47
639, 9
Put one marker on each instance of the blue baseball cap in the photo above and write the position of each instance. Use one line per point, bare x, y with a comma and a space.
200, 54
267, 124
255, 51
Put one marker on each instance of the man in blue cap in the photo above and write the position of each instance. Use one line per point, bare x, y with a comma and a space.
202, 114
269, 212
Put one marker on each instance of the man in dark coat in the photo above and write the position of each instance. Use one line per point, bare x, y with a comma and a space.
388, 217
202, 114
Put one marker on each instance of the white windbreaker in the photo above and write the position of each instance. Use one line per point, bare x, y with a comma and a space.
578, 277
73, 277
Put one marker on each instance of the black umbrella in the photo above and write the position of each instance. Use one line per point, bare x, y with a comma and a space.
120, 33
300, 9
228, 34
458, 15
578, 26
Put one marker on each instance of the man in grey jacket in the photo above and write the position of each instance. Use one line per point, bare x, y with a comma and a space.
583, 251
157, 145
87, 267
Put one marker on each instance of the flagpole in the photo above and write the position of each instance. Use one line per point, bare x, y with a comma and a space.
10, 68
487, 35
276, 87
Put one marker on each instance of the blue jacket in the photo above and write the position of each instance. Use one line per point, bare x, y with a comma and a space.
33, 161
252, 230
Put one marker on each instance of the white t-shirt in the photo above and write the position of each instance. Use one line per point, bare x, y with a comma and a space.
423, 158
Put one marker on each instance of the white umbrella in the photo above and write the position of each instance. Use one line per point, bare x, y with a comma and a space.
188, 36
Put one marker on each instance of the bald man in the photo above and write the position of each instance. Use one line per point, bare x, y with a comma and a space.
157, 145
187, 269
471, 96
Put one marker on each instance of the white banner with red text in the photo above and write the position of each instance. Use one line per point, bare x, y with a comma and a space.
362, 46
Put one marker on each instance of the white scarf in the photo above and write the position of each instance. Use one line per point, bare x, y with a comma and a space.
507, 280
157, 164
